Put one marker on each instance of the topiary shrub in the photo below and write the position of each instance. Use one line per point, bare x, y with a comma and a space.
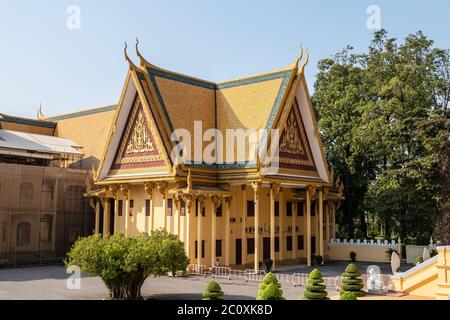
347, 295
270, 288
351, 281
317, 260
315, 289
213, 291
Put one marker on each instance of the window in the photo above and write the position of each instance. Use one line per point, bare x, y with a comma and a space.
250, 246
219, 211
120, 208
299, 209
289, 209
130, 212
218, 248
4, 228
250, 208
26, 192
300, 243
182, 208
313, 207
23, 236
169, 207
147, 207
277, 244
277, 209
203, 248
196, 209
289, 243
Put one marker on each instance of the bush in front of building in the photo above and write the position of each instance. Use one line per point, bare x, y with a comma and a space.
315, 289
347, 295
270, 288
351, 281
213, 291
124, 263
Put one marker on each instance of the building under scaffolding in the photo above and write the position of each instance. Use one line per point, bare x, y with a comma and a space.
42, 207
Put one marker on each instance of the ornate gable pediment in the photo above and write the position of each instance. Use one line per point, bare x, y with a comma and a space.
295, 150
138, 147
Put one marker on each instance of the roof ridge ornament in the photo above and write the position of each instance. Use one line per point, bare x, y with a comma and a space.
142, 60
299, 57
130, 62
305, 63
39, 113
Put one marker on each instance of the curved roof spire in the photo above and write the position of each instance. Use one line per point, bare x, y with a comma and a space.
142, 60
39, 113
131, 64
299, 57
305, 63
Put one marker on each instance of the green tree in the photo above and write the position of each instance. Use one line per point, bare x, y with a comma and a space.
315, 289
124, 263
269, 288
213, 291
384, 121
352, 282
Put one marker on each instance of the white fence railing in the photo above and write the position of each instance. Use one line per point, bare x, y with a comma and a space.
296, 279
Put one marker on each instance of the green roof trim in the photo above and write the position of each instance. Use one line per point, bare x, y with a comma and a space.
83, 113
26, 121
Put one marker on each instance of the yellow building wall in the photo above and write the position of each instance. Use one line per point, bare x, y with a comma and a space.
140, 223
372, 254
90, 132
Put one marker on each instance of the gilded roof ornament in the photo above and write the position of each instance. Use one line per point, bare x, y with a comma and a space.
299, 57
39, 113
131, 64
305, 63
142, 60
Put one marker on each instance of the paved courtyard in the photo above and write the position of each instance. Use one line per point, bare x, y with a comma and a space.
49, 283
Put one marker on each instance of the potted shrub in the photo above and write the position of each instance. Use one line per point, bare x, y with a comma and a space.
352, 256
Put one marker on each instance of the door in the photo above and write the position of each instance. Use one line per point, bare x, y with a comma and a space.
238, 251
266, 248
313, 245
111, 216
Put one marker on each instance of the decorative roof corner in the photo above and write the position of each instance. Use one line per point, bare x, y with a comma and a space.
131, 64
305, 63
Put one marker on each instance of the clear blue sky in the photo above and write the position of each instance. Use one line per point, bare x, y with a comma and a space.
41, 60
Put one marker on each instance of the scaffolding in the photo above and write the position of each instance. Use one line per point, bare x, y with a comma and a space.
42, 213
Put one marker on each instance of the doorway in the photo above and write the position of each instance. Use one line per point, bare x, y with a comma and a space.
238, 251
266, 248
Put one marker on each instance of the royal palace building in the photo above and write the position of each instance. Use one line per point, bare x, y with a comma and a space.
237, 210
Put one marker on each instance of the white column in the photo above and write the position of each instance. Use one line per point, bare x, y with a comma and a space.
106, 216
282, 209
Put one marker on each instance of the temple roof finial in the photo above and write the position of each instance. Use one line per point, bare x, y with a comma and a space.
39, 113
131, 64
300, 56
189, 181
305, 63
142, 60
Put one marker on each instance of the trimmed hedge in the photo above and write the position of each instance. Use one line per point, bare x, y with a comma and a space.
352, 282
270, 288
315, 289
213, 291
